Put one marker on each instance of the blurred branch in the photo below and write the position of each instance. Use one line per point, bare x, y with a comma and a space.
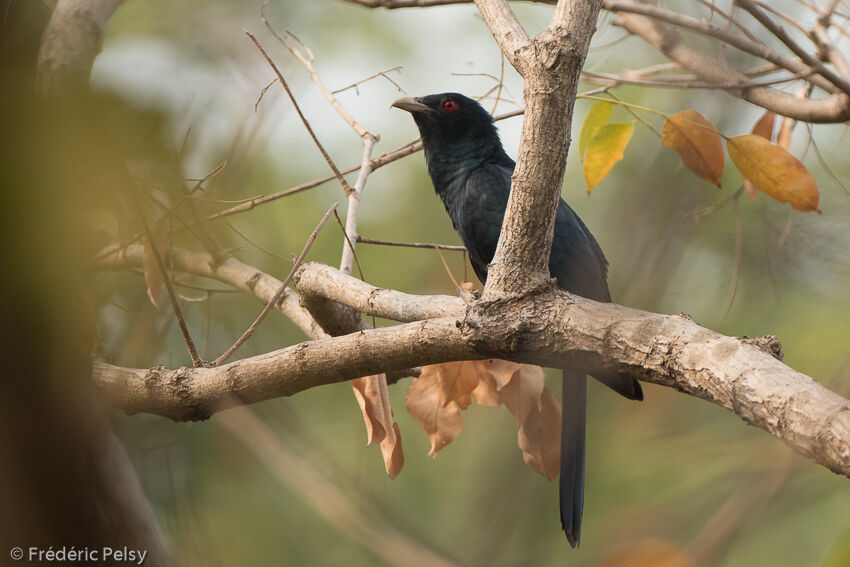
228, 270
313, 486
70, 43
304, 120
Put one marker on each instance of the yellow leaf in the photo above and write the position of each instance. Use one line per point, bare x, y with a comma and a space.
442, 423
598, 115
154, 277
763, 128
697, 142
604, 150
775, 171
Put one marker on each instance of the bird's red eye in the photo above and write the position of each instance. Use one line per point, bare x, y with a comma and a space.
450, 105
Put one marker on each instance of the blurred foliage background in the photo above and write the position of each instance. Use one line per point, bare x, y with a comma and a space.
684, 481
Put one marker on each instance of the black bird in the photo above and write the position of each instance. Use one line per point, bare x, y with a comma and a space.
471, 174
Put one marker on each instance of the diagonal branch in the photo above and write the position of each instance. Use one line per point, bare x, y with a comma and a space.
506, 30
279, 294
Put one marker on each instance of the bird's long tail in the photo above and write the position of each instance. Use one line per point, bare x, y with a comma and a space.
574, 409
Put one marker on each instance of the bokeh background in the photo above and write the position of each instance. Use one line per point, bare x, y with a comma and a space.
671, 481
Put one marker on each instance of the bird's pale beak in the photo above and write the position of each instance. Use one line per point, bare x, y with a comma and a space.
410, 104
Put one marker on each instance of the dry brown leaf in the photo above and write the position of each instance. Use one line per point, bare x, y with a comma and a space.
456, 380
648, 553
775, 171
486, 392
522, 390
697, 142
540, 436
763, 128
783, 138
442, 423
374, 400
391, 450
154, 277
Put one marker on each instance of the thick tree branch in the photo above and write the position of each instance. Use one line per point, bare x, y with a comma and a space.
506, 30
550, 328
315, 279
551, 66
188, 394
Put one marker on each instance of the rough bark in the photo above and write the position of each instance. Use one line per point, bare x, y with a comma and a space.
548, 327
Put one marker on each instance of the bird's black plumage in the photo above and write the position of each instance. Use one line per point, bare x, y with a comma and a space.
471, 174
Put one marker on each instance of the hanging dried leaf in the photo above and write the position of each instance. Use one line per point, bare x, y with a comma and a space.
697, 142
521, 389
486, 392
154, 277
604, 150
456, 380
783, 138
540, 436
763, 128
373, 397
442, 423
391, 450
596, 117
775, 171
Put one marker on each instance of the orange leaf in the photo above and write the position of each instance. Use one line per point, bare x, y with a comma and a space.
374, 401
604, 150
391, 450
153, 274
775, 171
540, 436
697, 142
442, 423
763, 128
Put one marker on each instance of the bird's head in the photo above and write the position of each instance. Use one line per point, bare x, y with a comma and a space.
449, 118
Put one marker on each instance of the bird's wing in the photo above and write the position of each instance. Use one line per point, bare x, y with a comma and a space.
484, 196
577, 261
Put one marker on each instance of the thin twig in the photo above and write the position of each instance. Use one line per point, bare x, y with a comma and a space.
369, 78
172, 296
307, 62
353, 208
280, 78
739, 255
277, 296
350, 246
263, 93
410, 244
